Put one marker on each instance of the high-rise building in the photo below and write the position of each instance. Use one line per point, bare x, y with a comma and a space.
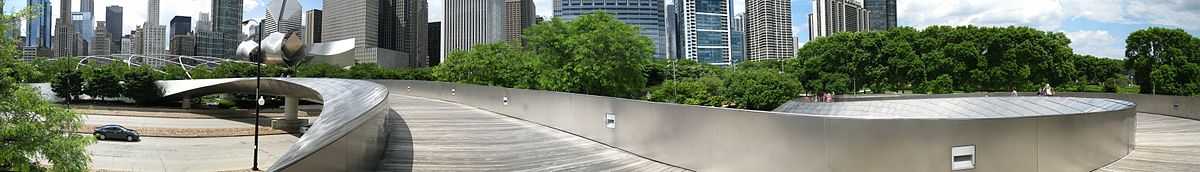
677, 29
769, 30
83, 26
283, 16
519, 15
183, 44
706, 35
467, 23
180, 25
645, 14
37, 32
670, 32
127, 46
87, 9
389, 33
312, 24
206, 40
227, 24
101, 46
883, 14
737, 35
833, 16
153, 35
113, 18
435, 43
64, 32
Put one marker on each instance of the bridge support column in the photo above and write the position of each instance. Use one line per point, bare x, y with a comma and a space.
187, 102
290, 122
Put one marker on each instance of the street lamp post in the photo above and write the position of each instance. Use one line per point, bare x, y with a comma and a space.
257, 95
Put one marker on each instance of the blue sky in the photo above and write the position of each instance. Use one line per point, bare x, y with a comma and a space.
1096, 27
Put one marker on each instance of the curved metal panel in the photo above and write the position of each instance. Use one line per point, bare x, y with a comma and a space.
720, 139
348, 137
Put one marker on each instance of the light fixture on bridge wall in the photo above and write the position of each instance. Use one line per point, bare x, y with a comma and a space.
962, 157
505, 100
610, 120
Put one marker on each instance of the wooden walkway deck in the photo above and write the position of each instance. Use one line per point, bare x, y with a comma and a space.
1162, 144
434, 135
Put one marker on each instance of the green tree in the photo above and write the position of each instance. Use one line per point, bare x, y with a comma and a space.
32, 129
68, 85
660, 70
497, 64
592, 54
760, 89
705, 91
139, 85
1148, 49
104, 81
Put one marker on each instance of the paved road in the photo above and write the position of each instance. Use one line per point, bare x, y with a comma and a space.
135, 122
152, 122
433, 135
187, 154
1162, 144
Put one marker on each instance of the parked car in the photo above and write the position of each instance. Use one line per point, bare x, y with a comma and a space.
118, 132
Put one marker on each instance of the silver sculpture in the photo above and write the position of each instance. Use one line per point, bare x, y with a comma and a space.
284, 48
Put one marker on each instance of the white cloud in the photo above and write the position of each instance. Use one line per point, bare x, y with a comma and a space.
1042, 14
1177, 13
1096, 43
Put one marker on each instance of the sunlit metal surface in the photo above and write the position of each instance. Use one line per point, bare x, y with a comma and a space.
350, 135
958, 108
719, 139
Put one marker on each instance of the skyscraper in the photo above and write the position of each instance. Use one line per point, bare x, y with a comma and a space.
37, 32
183, 44
883, 13
833, 16
671, 34
206, 40
737, 35
64, 32
153, 35
87, 10
769, 33
645, 14
113, 20
519, 15
435, 43
227, 23
470, 22
312, 24
385, 32
706, 35
101, 46
283, 16
180, 25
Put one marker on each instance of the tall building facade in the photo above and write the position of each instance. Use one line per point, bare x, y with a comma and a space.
283, 16
64, 32
37, 31
883, 14
101, 46
706, 36
769, 34
672, 18
312, 24
127, 46
113, 20
180, 25
467, 23
648, 15
205, 38
833, 16
153, 35
183, 44
389, 33
518, 16
227, 24
737, 41
435, 43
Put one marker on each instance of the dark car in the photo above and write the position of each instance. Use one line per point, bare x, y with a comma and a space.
116, 132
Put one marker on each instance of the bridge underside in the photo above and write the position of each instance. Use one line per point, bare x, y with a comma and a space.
434, 135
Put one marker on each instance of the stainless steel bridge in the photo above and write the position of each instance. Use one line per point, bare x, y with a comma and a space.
434, 126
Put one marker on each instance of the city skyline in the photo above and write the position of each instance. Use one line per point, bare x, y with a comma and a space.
1095, 28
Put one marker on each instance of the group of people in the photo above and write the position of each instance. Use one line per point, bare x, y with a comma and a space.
1044, 91
823, 97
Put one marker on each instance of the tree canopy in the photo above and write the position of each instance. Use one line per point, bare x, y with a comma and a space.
1164, 61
